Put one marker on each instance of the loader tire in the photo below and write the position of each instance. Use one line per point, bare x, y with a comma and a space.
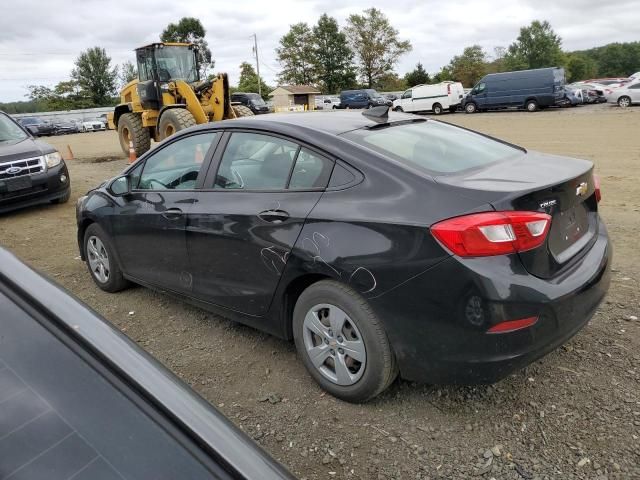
242, 111
174, 120
130, 129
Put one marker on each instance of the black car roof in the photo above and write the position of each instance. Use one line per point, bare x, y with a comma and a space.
334, 122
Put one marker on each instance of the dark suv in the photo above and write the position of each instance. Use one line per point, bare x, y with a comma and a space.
365, 98
251, 100
31, 171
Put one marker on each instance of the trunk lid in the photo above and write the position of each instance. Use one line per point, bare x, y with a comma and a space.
560, 186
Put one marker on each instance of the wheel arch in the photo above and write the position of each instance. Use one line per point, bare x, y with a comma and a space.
82, 228
120, 110
290, 296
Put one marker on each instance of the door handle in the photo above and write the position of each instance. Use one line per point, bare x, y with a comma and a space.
273, 216
172, 213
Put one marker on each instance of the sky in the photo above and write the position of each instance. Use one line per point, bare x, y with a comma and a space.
40, 39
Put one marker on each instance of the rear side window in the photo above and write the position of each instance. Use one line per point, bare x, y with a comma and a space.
311, 171
433, 147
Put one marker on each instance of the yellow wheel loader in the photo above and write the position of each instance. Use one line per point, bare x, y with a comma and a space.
169, 96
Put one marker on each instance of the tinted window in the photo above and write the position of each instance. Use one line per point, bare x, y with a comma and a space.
480, 88
433, 147
254, 161
637, 85
407, 94
311, 170
176, 166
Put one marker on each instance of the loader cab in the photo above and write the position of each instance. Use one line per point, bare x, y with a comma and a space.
160, 63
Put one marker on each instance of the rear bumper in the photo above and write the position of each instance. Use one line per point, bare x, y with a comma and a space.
437, 322
45, 187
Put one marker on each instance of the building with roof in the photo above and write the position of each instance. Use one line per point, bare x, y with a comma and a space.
294, 97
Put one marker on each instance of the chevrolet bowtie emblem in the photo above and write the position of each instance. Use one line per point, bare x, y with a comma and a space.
582, 189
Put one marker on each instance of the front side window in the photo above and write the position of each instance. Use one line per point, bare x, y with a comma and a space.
481, 87
634, 86
254, 161
176, 166
433, 147
407, 94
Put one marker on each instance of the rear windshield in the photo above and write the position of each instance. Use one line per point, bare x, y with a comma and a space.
434, 147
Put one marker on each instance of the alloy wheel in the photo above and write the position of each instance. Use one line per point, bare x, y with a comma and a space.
334, 344
98, 259
624, 102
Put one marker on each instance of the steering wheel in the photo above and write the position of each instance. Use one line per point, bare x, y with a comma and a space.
190, 176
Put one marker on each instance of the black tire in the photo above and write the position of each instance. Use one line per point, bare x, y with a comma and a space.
470, 107
63, 199
242, 111
174, 120
116, 280
380, 368
437, 109
453, 109
531, 106
130, 129
398, 109
624, 102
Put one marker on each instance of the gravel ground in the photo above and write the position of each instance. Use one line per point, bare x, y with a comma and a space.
574, 414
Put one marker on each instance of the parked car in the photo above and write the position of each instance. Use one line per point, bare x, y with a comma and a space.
66, 127
573, 95
590, 93
327, 103
37, 127
609, 82
436, 98
365, 98
93, 125
104, 118
391, 96
528, 89
625, 95
80, 400
417, 247
31, 171
252, 100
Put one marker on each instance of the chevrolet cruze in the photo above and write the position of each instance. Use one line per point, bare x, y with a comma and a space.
381, 243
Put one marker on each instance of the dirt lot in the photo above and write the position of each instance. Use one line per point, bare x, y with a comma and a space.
575, 414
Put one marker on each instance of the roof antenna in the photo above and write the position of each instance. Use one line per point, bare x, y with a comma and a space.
377, 114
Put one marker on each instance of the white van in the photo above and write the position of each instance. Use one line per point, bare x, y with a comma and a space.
437, 98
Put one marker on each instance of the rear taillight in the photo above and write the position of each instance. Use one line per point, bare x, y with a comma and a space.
513, 325
493, 233
596, 184
448, 89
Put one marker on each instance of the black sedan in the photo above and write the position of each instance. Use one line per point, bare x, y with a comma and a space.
382, 243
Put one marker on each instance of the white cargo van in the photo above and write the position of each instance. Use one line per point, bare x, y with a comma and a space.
436, 98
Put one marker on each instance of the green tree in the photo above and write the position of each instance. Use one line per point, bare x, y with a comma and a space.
390, 82
418, 76
375, 43
617, 59
580, 67
537, 46
190, 30
443, 75
296, 54
332, 56
66, 95
128, 72
95, 77
469, 67
249, 81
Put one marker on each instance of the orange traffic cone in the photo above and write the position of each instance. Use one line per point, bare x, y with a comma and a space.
132, 153
68, 154
199, 158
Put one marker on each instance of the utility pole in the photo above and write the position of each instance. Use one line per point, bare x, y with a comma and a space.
255, 49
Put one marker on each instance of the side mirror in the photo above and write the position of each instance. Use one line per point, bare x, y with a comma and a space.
121, 186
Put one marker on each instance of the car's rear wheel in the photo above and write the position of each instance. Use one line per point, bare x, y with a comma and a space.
101, 260
471, 107
437, 108
342, 342
624, 102
398, 109
531, 106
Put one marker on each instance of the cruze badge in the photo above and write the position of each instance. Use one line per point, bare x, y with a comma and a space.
548, 203
582, 189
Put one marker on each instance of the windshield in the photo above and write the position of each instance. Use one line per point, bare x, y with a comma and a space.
176, 63
256, 99
373, 94
433, 147
9, 130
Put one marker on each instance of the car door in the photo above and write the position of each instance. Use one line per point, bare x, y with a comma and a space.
405, 101
149, 225
480, 95
241, 231
634, 92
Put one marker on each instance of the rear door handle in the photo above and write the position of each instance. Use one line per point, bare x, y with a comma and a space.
172, 214
274, 216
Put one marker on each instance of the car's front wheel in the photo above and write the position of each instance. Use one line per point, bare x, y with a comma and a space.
342, 342
101, 260
624, 102
437, 108
471, 107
